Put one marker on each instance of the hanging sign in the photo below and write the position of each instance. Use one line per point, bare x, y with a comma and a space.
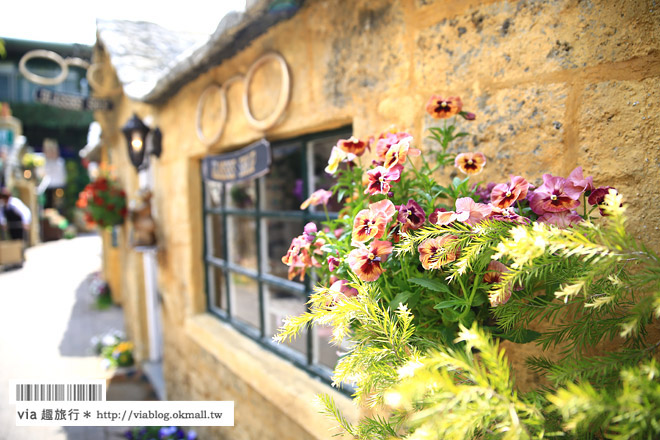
71, 101
247, 163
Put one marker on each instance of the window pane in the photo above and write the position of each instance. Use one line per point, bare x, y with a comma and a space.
213, 194
280, 304
320, 150
214, 236
217, 287
245, 299
279, 234
324, 353
242, 239
284, 182
241, 195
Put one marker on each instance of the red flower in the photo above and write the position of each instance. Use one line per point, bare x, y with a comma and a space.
366, 262
352, 145
441, 108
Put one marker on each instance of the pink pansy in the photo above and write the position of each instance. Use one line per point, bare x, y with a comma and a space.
310, 231
504, 195
562, 219
471, 212
333, 263
378, 180
318, 197
579, 181
397, 153
386, 141
494, 275
385, 206
366, 262
555, 195
341, 289
442, 217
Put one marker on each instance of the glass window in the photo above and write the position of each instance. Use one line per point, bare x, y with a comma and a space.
249, 226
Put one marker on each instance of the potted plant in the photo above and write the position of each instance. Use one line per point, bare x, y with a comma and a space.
103, 202
428, 280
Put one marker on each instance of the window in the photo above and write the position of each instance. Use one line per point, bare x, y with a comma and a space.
249, 226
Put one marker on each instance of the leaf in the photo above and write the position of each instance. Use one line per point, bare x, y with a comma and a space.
449, 303
435, 285
406, 297
522, 336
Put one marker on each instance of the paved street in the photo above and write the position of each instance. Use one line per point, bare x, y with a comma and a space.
47, 317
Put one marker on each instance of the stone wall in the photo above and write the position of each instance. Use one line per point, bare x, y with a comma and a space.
554, 84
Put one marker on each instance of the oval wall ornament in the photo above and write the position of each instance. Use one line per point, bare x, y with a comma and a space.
262, 124
63, 64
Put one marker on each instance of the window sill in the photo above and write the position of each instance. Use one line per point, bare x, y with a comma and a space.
288, 388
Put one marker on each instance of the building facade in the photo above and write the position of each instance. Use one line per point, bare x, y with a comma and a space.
554, 85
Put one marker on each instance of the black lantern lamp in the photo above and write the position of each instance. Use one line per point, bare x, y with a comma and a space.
136, 135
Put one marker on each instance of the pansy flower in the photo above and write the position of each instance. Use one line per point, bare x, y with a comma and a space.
504, 195
443, 108
494, 275
371, 223
318, 197
340, 290
508, 215
333, 263
579, 181
435, 252
352, 145
562, 219
470, 163
555, 195
597, 197
337, 156
441, 216
366, 262
386, 141
378, 180
411, 215
471, 212
397, 153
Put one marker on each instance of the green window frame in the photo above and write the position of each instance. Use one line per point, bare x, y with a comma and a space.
248, 227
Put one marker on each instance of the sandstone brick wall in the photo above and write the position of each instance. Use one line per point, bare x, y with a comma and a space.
554, 83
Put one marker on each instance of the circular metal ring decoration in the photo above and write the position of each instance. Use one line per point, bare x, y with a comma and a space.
263, 124
283, 99
223, 114
44, 80
64, 64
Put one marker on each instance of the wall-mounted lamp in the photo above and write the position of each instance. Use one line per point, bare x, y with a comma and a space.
136, 133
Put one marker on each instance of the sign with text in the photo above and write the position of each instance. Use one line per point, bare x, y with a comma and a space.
247, 163
70, 101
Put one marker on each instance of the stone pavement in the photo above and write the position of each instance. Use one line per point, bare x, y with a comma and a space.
47, 318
